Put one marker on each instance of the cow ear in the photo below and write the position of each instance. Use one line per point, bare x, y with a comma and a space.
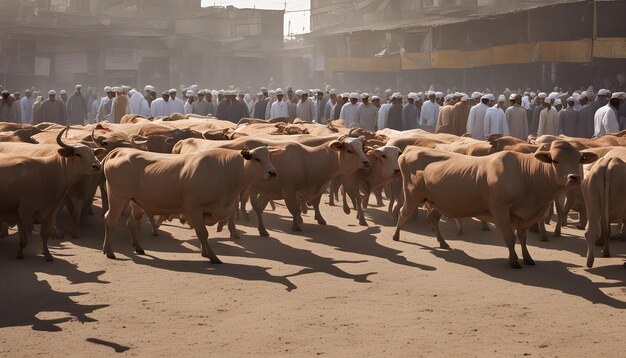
65, 152
544, 157
588, 157
170, 141
336, 145
245, 153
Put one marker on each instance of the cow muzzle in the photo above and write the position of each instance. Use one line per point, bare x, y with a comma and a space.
573, 179
366, 164
397, 172
96, 167
271, 174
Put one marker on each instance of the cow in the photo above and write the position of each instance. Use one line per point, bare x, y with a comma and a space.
511, 190
203, 186
604, 192
499, 144
307, 172
33, 188
80, 195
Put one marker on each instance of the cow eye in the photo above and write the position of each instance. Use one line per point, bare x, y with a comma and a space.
78, 155
349, 151
554, 161
384, 156
257, 159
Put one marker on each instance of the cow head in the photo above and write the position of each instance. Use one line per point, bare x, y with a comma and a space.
351, 155
81, 159
260, 158
386, 158
566, 161
111, 140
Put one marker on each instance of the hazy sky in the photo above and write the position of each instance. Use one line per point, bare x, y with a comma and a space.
299, 20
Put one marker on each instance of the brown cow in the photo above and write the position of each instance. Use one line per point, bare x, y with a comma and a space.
203, 186
604, 192
512, 190
33, 188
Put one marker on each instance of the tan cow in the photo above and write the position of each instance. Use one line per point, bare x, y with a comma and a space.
499, 144
203, 186
604, 193
32, 188
512, 190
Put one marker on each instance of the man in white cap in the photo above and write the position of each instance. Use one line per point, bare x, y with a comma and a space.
366, 114
119, 107
430, 112
460, 112
410, 113
541, 98
330, 105
439, 96
26, 104
305, 110
273, 98
149, 94
63, 94
348, 111
104, 107
9, 108
175, 105
189, 102
394, 117
501, 102
138, 104
159, 105
516, 118
52, 110
341, 101
476, 119
201, 106
383, 113
605, 119
548, 118
495, 121
388, 94
77, 107
279, 108
476, 98
261, 104
319, 104
568, 119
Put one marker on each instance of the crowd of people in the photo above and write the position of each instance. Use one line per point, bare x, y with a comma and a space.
578, 113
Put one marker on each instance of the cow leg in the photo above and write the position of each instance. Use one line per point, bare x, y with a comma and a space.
582, 221
259, 202
153, 225
333, 191
26, 231
196, 217
318, 214
346, 207
232, 228
459, 226
559, 204
104, 197
294, 208
110, 222
304, 209
503, 223
77, 209
47, 231
406, 211
134, 225
434, 216
521, 236
606, 236
567, 207
272, 204
542, 230
360, 212
379, 198
548, 216
243, 200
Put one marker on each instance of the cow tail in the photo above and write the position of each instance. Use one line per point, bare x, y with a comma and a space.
606, 222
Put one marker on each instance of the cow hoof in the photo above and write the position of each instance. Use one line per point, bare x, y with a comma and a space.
557, 233
154, 233
111, 255
515, 264
140, 251
606, 253
234, 237
444, 245
529, 261
264, 233
321, 222
49, 258
396, 237
296, 228
363, 223
215, 260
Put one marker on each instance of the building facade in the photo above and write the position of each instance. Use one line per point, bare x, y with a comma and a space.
466, 44
52, 43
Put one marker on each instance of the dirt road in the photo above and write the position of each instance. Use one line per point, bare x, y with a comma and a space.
335, 290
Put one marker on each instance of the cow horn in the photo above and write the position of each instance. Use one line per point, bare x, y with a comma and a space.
60, 141
342, 138
352, 131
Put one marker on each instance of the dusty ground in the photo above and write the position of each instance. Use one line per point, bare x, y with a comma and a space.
338, 290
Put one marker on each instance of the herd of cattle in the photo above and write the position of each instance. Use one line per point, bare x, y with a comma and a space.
204, 171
